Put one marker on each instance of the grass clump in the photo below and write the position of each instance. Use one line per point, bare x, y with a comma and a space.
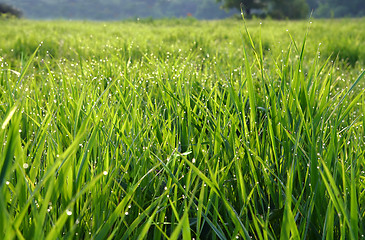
184, 137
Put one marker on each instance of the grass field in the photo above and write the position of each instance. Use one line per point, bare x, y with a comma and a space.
171, 129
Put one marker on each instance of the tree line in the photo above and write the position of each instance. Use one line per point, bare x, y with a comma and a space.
203, 9
296, 9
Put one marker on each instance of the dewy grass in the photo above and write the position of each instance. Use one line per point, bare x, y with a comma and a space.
138, 131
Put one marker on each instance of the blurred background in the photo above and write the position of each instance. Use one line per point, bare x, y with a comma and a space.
200, 9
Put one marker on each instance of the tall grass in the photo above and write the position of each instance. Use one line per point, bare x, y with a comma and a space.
172, 140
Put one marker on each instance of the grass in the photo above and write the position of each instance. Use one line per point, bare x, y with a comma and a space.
182, 129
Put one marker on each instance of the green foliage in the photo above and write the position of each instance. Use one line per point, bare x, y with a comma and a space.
298, 9
138, 130
338, 8
292, 9
277, 9
246, 5
9, 11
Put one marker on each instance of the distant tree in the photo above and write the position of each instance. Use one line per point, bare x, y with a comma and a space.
292, 9
10, 10
279, 9
313, 4
247, 5
340, 8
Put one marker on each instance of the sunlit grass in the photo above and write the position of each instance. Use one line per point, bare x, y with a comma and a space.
182, 129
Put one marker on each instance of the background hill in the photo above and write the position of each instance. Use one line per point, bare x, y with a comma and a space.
202, 9
120, 9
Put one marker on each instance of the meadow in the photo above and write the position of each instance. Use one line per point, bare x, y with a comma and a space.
182, 129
